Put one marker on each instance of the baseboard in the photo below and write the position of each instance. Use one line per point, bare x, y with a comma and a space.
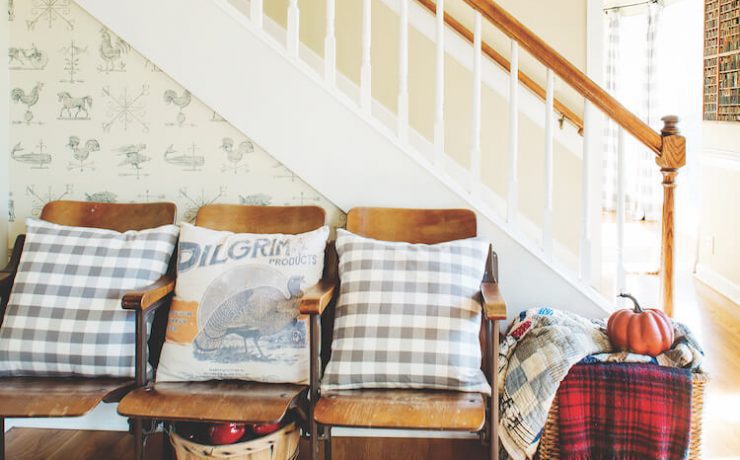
719, 283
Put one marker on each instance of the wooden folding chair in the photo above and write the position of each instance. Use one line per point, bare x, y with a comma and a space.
236, 401
419, 409
25, 397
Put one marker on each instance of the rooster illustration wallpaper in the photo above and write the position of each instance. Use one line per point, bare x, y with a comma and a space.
92, 119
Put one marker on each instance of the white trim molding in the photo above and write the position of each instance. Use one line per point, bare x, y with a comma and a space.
719, 283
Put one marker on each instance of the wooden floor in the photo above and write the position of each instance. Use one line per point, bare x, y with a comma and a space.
41, 444
714, 319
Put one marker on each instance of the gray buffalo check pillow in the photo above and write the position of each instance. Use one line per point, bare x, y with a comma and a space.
408, 315
64, 313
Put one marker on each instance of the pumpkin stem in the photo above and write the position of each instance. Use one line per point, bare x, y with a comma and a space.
637, 307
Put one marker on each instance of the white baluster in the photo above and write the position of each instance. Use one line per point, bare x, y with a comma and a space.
255, 12
403, 74
547, 227
293, 37
475, 152
366, 69
513, 192
439, 122
585, 252
621, 192
330, 46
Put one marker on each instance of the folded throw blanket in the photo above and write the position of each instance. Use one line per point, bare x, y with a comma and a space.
617, 411
539, 349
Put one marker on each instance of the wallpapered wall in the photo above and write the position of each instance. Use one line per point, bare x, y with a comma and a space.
92, 119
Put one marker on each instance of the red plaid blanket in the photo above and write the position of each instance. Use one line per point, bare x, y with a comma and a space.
625, 411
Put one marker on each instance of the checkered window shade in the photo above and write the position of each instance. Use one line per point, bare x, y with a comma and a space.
408, 315
64, 314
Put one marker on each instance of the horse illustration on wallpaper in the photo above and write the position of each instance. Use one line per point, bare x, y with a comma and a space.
30, 58
76, 104
235, 155
81, 153
37, 158
28, 99
258, 321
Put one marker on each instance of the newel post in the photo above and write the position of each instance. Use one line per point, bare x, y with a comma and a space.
672, 157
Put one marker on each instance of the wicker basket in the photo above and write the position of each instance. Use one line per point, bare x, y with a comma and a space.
549, 443
280, 445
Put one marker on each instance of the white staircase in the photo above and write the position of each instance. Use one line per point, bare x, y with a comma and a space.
334, 136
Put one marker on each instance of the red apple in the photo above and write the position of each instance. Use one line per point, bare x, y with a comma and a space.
262, 429
226, 433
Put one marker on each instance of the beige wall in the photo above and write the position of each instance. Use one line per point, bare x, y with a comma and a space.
164, 135
561, 23
719, 250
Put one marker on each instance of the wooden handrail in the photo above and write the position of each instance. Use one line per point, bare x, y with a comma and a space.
569, 73
499, 59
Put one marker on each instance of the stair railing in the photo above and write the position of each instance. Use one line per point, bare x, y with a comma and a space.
668, 146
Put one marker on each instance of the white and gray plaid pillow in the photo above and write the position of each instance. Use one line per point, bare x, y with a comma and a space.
64, 314
408, 315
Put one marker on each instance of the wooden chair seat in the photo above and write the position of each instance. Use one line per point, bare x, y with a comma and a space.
403, 409
57, 397
212, 401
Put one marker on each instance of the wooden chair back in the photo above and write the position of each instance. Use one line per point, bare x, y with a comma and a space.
428, 226
111, 216
261, 219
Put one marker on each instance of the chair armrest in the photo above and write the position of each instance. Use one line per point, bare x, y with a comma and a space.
494, 305
316, 298
148, 297
6, 280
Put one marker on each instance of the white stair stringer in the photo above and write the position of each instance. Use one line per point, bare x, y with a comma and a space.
353, 159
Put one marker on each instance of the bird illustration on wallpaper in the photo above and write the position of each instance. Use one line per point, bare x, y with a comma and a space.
189, 161
112, 52
18, 95
74, 104
30, 58
81, 153
181, 101
125, 109
133, 160
102, 197
71, 55
39, 199
37, 158
191, 202
257, 199
235, 156
50, 12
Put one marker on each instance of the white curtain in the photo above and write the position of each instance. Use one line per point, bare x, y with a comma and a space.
643, 198
609, 194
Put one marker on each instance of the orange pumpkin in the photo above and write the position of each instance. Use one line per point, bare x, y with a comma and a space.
646, 332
